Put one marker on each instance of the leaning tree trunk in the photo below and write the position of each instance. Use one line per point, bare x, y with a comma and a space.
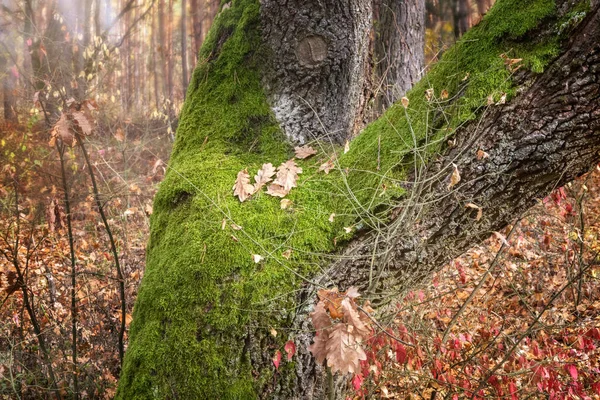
206, 315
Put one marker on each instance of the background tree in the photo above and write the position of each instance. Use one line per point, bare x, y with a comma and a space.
509, 113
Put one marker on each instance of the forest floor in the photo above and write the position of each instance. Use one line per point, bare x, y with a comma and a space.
517, 316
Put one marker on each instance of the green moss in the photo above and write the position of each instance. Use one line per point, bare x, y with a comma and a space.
202, 293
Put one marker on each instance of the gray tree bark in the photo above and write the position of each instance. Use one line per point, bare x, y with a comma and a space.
399, 48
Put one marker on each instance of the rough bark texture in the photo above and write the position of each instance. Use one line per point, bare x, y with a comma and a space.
319, 54
399, 48
202, 319
548, 135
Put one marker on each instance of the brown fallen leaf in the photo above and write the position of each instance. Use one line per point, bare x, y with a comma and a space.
287, 175
304, 152
454, 178
242, 188
429, 94
285, 203
287, 254
277, 190
475, 207
119, 135
482, 154
327, 166
263, 176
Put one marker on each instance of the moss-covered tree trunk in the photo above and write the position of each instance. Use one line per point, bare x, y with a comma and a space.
206, 313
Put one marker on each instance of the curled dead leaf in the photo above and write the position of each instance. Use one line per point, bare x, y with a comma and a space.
454, 178
404, 102
475, 207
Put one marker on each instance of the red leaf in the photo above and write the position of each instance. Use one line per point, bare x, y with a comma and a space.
572, 370
357, 381
512, 388
290, 349
277, 359
400, 353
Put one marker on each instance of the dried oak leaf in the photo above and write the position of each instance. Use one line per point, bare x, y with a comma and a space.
304, 152
242, 188
62, 130
332, 299
277, 190
263, 176
84, 122
319, 347
344, 352
352, 317
287, 175
320, 319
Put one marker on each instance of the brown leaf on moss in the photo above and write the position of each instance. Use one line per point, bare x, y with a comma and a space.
287, 175
263, 176
242, 188
304, 152
277, 190
327, 166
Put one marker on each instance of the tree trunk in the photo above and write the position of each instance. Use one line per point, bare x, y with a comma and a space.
204, 316
462, 17
184, 58
163, 46
399, 48
8, 86
197, 12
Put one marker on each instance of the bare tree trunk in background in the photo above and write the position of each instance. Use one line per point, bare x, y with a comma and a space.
28, 23
461, 16
483, 6
85, 22
184, 58
197, 14
155, 73
399, 48
97, 18
162, 39
7, 67
126, 56
170, 46
8, 86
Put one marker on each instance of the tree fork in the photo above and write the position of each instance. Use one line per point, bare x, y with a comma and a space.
204, 311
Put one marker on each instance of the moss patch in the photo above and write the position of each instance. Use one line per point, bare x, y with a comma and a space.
202, 293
